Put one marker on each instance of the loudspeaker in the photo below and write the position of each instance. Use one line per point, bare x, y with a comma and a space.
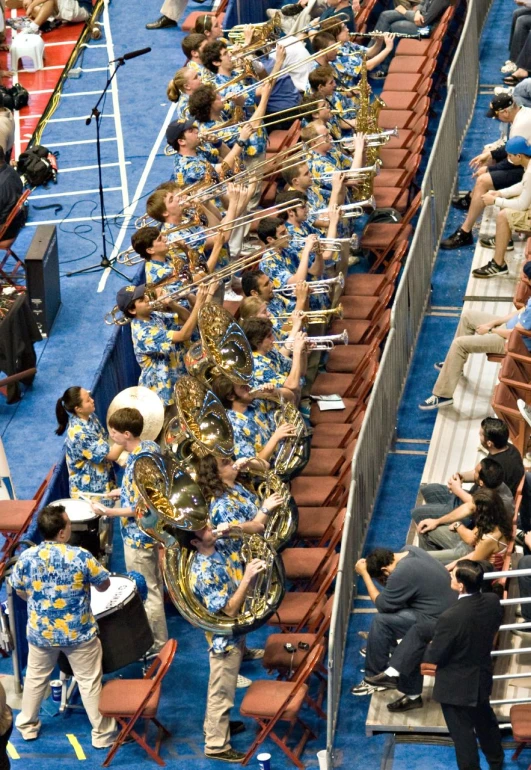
42, 277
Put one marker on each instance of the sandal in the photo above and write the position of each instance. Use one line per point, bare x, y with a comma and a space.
510, 80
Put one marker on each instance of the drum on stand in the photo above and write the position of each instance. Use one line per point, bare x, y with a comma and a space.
85, 524
123, 625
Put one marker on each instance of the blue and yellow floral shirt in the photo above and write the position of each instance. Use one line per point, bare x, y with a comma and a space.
252, 431
160, 359
274, 266
273, 367
87, 445
189, 169
276, 306
181, 110
214, 580
205, 74
131, 534
56, 578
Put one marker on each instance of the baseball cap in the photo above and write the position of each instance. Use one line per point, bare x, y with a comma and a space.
500, 102
527, 270
517, 145
176, 129
128, 294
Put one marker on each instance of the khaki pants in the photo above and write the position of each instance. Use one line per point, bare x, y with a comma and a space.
224, 669
85, 660
173, 9
466, 342
146, 561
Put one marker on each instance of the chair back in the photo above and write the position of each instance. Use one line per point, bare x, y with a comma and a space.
159, 668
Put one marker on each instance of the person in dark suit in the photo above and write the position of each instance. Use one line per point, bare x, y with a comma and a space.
461, 650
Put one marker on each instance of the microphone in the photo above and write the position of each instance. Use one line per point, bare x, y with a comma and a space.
131, 55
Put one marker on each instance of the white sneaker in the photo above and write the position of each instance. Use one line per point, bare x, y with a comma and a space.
509, 67
525, 410
243, 681
503, 90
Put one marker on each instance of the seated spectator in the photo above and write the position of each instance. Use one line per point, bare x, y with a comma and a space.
415, 590
38, 12
478, 332
515, 210
7, 129
487, 539
520, 28
492, 170
347, 8
10, 192
444, 503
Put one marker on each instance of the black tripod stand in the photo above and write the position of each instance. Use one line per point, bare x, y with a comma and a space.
95, 113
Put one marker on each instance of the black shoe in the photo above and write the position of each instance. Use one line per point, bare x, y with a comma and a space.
405, 704
236, 728
490, 243
457, 239
230, 755
490, 270
462, 201
161, 23
383, 680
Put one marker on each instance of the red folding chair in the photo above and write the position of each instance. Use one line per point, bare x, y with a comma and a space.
128, 700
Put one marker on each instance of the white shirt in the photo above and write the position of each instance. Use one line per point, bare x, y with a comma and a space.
518, 196
296, 52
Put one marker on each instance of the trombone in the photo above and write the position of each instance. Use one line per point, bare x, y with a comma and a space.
324, 286
376, 33
311, 316
329, 244
318, 343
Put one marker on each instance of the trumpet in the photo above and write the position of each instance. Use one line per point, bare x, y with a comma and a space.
318, 343
371, 140
329, 244
324, 286
350, 210
312, 316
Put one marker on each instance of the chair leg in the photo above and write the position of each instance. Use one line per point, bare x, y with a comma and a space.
519, 748
127, 729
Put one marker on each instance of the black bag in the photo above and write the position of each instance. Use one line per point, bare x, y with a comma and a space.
384, 215
19, 95
38, 165
6, 100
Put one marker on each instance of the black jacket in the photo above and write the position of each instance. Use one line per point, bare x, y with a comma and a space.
461, 647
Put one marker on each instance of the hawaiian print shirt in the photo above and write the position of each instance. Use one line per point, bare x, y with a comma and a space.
160, 359
87, 445
273, 265
181, 110
188, 169
214, 579
251, 432
256, 145
205, 74
277, 306
273, 367
56, 578
131, 534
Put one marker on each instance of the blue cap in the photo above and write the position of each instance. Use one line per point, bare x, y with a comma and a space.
129, 294
517, 145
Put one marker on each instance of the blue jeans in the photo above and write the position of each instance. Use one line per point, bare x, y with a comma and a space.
439, 502
386, 629
393, 21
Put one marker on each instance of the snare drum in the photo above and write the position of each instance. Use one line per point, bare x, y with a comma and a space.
85, 524
123, 624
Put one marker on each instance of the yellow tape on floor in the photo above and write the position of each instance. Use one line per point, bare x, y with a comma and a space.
11, 750
80, 754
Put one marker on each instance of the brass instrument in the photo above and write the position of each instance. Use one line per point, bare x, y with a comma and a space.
324, 286
282, 524
261, 32
262, 601
329, 244
173, 502
354, 35
318, 343
201, 426
350, 209
223, 349
311, 316
356, 174
293, 452
371, 140
148, 404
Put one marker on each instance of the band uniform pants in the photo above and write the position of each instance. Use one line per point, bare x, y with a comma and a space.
146, 561
224, 669
85, 661
466, 726
173, 9
466, 342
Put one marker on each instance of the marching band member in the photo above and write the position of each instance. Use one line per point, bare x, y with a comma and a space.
270, 366
55, 579
256, 284
141, 552
300, 178
191, 47
322, 85
255, 433
323, 162
297, 223
222, 586
184, 82
89, 455
209, 26
155, 340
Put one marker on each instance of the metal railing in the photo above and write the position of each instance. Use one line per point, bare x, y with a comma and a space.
408, 310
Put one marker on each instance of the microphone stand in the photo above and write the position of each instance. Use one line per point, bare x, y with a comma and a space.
104, 263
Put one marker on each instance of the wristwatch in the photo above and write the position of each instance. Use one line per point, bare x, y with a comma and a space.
240, 142
265, 510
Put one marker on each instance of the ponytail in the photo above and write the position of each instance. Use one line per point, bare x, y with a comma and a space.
65, 406
176, 85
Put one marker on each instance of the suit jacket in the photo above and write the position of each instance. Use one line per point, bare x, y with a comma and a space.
461, 647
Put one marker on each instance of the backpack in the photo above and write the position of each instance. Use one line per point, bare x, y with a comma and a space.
14, 98
37, 165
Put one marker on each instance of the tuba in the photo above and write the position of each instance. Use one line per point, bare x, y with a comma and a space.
282, 523
201, 426
174, 502
148, 404
223, 349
